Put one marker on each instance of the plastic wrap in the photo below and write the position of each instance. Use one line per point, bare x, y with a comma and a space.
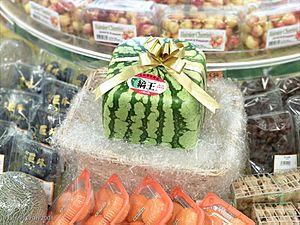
271, 138
257, 86
293, 105
115, 21
18, 106
149, 203
57, 94
220, 212
23, 201
7, 132
210, 29
289, 87
266, 214
212, 166
111, 203
263, 103
44, 125
272, 27
75, 204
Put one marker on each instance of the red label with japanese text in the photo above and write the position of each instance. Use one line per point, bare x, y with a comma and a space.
147, 84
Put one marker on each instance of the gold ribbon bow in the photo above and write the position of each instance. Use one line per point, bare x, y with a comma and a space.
168, 55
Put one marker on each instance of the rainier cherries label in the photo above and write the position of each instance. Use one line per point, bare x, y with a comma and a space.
147, 84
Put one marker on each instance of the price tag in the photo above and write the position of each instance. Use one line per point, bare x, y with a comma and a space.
1, 164
285, 162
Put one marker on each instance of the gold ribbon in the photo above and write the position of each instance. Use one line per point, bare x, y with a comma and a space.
170, 56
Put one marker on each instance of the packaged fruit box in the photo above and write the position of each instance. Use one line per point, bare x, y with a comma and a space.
272, 27
273, 214
115, 21
60, 15
210, 29
75, 204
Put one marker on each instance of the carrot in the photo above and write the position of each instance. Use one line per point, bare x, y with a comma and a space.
187, 216
153, 210
137, 202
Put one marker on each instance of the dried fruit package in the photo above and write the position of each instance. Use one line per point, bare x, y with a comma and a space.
255, 189
18, 106
289, 87
111, 203
7, 132
257, 86
210, 29
115, 21
149, 204
267, 214
44, 124
60, 15
75, 204
185, 210
271, 138
64, 70
263, 103
220, 212
57, 94
293, 105
272, 27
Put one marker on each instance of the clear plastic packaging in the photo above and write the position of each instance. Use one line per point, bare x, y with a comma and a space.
57, 94
115, 21
210, 29
18, 106
111, 203
185, 210
257, 86
60, 15
272, 27
75, 204
289, 87
271, 214
263, 103
270, 136
44, 124
255, 189
150, 204
293, 105
7, 132
220, 212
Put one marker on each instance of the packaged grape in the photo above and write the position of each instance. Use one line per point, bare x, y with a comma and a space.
149, 204
272, 141
210, 29
257, 86
64, 70
37, 160
111, 203
60, 15
57, 94
272, 27
115, 21
185, 210
252, 189
7, 132
220, 212
75, 204
18, 106
44, 124
263, 103
268, 214
289, 87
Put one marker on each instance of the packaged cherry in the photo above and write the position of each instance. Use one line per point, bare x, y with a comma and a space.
149, 204
220, 212
111, 203
75, 204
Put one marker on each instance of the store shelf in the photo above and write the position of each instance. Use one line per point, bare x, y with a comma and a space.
91, 51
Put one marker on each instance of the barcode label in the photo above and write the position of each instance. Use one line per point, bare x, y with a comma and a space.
285, 162
1, 164
283, 36
113, 32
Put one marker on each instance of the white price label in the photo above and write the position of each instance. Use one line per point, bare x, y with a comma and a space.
48, 187
283, 36
207, 40
285, 162
45, 16
1, 164
113, 32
